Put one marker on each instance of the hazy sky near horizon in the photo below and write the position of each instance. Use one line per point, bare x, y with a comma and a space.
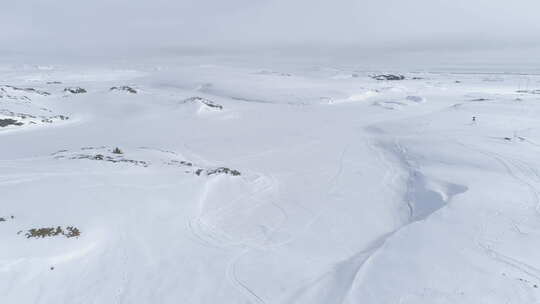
70, 24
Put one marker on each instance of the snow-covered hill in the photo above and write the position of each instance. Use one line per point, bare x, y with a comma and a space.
199, 183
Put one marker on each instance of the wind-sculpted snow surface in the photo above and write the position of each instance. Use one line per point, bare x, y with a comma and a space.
205, 183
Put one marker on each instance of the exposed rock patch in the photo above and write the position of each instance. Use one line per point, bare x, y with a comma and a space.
143, 157
27, 90
10, 122
390, 105
103, 155
6, 218
125, 89
535, 91
417, 99
220, 170
265, 72
204, 101
75, 90
20, 119
174, 162
388, 77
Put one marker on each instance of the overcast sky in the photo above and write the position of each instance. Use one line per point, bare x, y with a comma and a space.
74, 24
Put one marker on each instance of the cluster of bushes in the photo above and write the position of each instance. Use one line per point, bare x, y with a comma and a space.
69, 232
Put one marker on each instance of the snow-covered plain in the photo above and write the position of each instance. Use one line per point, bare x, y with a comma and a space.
241, 184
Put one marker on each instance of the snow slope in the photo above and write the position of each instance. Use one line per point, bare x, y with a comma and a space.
242, 184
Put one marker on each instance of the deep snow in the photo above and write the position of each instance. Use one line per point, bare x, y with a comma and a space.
243, 184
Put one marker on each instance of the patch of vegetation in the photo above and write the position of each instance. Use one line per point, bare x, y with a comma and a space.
124, 88
72, 232
43, 232
68, 232
117, 151
75, 90
388, 77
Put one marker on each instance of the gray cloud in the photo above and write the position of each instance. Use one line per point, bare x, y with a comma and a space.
103, 24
